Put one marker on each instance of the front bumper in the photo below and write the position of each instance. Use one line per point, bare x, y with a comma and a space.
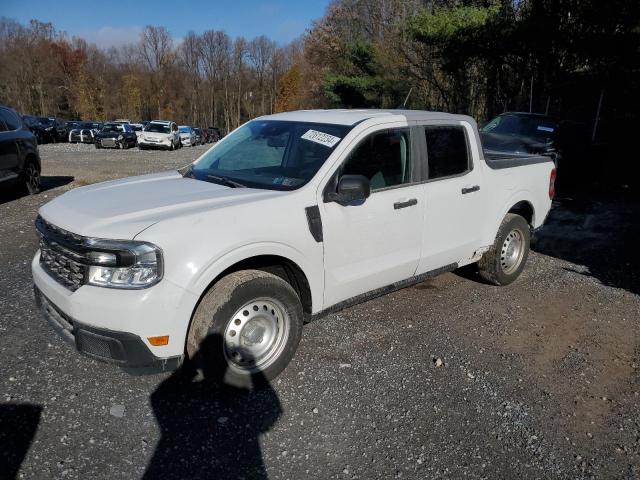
166, 143
121, 348
109, 142
127, 316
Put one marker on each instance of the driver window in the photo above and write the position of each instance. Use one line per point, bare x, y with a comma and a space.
383, 157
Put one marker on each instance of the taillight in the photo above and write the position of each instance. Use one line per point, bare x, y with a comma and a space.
552, 184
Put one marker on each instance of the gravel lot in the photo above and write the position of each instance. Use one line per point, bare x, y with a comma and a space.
449, 379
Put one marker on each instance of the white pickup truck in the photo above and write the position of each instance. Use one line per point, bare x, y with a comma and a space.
288, 217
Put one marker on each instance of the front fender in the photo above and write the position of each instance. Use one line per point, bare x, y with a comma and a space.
314, 273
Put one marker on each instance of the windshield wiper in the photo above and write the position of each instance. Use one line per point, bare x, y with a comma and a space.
225, 181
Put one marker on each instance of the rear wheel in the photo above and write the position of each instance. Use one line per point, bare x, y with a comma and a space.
506, 258
246, 329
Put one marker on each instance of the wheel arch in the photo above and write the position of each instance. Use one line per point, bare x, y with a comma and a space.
281, 260
525, 209
520, 204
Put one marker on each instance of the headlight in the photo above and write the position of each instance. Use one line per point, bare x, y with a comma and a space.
123, 264
120, 137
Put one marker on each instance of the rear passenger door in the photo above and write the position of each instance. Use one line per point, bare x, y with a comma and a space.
375, 242
454, 196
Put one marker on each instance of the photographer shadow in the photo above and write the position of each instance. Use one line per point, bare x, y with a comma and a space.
210, 430
18, 426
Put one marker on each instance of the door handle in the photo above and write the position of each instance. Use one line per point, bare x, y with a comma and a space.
475, 188
408, 203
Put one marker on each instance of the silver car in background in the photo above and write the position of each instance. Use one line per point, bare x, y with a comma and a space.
187, 136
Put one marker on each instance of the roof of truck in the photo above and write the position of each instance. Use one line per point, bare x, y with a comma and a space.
351, 117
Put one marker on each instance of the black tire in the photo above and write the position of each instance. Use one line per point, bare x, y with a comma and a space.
501, 265
31, 177
206, 346
97, 144
142, 147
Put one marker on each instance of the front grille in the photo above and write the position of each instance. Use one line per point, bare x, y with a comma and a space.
60, 255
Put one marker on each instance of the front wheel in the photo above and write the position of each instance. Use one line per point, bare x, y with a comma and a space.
506, 258
246, 329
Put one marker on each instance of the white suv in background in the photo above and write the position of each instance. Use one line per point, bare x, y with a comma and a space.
160, 134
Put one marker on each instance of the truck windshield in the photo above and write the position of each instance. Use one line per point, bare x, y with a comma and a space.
538, 127
270, 154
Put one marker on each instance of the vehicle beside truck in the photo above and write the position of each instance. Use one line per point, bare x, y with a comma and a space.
289, 217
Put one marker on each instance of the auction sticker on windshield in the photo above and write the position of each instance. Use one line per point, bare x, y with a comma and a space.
321, 138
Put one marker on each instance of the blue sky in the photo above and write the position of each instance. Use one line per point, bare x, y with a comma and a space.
115, 23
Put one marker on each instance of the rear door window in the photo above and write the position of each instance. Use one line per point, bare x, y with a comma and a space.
447, 152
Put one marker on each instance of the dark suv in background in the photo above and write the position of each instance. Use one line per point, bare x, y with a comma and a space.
19, 159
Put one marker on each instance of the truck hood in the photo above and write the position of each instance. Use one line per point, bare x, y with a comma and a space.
121, 209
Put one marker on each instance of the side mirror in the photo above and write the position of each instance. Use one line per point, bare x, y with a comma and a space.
351, 188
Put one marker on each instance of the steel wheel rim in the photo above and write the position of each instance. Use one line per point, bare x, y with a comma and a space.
33, 177
256, 335
512, 251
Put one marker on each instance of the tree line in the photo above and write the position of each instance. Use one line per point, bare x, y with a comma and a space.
573, 58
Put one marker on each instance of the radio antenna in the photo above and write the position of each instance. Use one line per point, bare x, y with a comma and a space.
404, 105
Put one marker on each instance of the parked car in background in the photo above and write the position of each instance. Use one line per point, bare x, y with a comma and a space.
19, 159
214, 134
54, 128
115, 135
122, 120
160, 134
198, 133
137, 127
323, 209
517, 133
84, 132
187, 136
70, 125
36, 127
205, 135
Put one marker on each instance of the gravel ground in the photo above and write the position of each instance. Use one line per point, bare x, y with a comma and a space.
448, 379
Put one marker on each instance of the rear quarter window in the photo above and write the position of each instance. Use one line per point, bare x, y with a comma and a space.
12, 121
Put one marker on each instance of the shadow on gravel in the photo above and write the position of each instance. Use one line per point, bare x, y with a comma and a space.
209, 430
600, 236
18, 425
46, 183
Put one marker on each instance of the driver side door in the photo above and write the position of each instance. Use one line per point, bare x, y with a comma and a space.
376, 242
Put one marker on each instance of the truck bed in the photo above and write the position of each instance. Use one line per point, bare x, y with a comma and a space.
497, 160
